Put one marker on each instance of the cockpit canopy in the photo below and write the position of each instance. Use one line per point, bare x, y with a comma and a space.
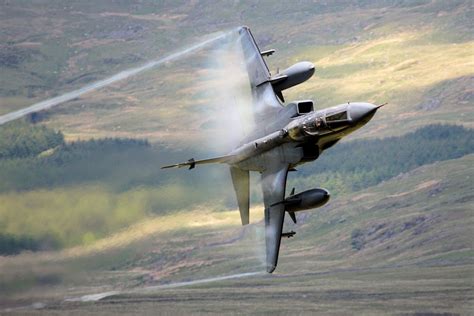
320, 123
337, 116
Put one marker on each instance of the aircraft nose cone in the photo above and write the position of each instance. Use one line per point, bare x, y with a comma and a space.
361, 113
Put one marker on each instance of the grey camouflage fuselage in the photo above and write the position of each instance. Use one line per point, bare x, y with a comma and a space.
282, 137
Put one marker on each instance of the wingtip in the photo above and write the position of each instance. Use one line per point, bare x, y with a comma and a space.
270, 268
243, 28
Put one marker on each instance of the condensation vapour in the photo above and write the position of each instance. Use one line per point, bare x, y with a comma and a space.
230, 115
100, 296
230, 98
46, 104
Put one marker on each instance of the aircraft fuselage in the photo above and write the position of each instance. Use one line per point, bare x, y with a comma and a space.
299, 138
279, 137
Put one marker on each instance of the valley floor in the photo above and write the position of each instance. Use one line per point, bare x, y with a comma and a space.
377, 291
402, 247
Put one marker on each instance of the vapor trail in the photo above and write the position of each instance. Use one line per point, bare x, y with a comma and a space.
99, 296
209, 280
46, 104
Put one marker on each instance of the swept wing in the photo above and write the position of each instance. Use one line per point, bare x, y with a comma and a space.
273, 186
264, 105
264, 100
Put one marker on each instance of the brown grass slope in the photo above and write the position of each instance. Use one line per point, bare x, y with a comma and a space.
403, 246
415, 55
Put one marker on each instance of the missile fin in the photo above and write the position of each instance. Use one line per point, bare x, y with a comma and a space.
293, 216
191, 163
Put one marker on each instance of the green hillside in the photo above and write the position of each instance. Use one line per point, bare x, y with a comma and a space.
58, 195
85, 208
416, 55
365, 251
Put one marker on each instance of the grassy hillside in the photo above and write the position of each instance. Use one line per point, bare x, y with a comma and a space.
84, 207
367, 251
416, 55
57, 195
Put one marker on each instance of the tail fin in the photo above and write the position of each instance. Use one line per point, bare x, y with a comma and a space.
191, 163
240, 179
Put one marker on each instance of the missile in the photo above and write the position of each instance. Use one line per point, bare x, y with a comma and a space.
294, 75
305, 200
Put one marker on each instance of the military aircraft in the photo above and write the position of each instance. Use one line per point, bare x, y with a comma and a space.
285, 136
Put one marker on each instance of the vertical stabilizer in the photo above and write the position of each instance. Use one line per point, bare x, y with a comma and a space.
240, 179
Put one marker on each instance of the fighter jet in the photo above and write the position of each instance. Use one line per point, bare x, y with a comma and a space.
284, 137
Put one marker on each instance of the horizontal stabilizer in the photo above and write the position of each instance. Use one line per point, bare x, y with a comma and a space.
240, 179
191, 163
